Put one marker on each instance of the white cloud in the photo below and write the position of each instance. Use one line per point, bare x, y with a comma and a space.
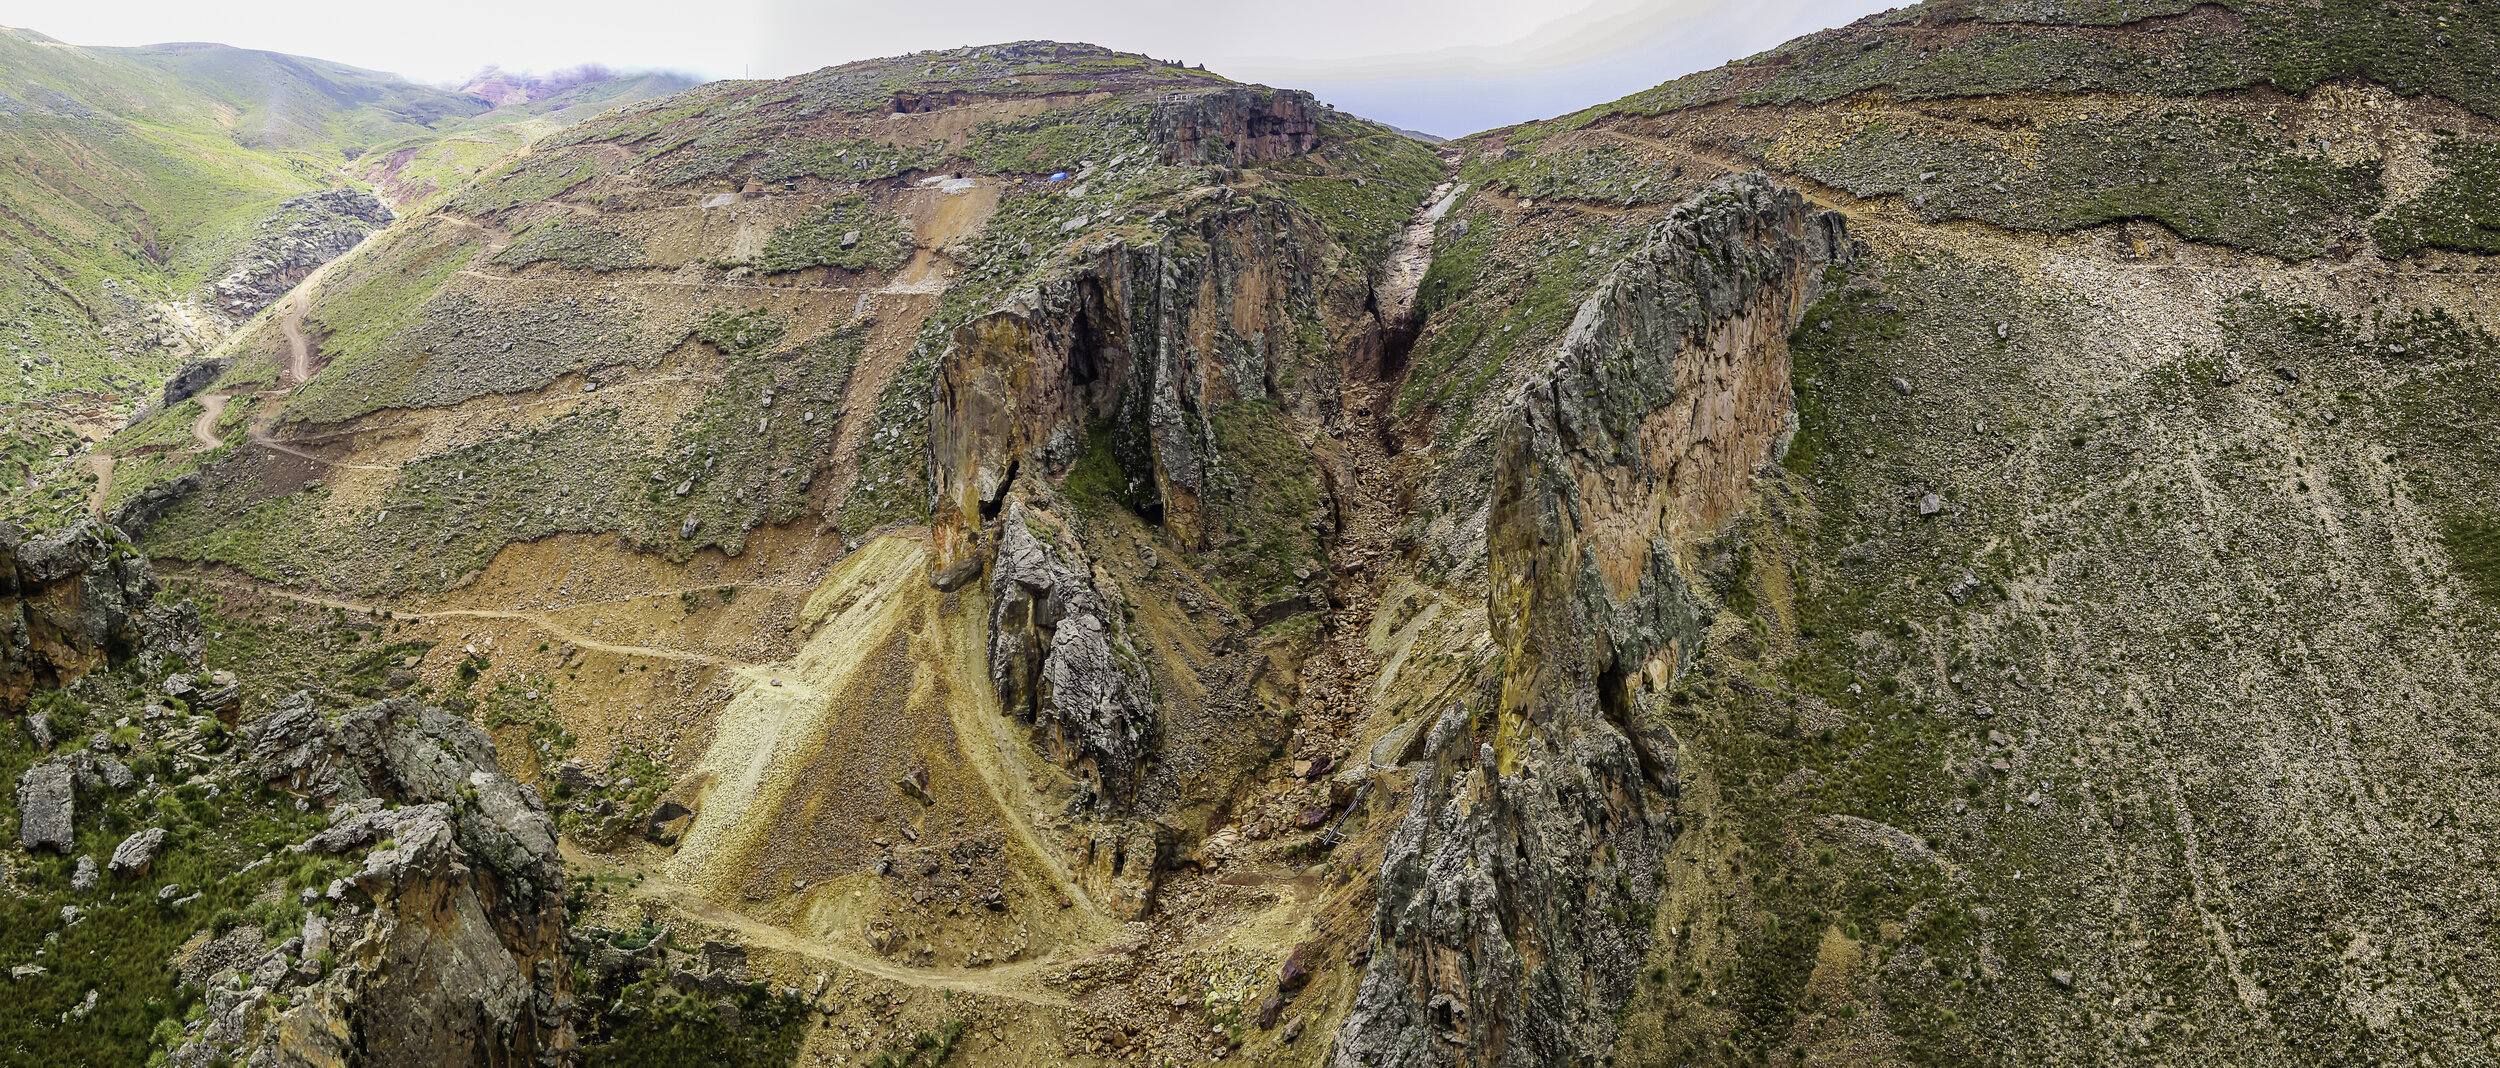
1448, 66
430, 41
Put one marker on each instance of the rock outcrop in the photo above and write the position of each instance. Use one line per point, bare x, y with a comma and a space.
1134, 349
194, 377
142, 509
46, 803
459, 957
76, 598
1061, 659
1515, 895
1237, 126
293, 241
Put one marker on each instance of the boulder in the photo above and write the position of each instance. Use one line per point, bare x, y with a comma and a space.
136, 852
667, 823
194, 377
45, 805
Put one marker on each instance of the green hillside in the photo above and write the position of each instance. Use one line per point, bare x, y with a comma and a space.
133, 177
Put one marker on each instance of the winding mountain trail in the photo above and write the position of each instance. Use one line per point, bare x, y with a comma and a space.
100, 464
204, 428
291, 323
299, 371
1018, 981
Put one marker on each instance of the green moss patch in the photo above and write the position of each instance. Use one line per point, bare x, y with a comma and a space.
1261, 501
2473, 541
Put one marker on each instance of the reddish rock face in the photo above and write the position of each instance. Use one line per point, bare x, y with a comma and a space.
1237, 126
1130, 342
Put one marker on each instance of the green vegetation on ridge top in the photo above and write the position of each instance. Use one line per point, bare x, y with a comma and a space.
2412, 46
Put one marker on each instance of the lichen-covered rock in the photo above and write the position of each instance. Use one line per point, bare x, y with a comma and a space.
461, 957
76, 598
1506, 929
136, 852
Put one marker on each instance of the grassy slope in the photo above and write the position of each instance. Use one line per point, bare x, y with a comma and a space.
418, 170
149, 166
112, 170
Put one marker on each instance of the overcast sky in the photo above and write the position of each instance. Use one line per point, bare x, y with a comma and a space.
1442, 66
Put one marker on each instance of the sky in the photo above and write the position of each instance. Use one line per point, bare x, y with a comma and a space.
1445, 67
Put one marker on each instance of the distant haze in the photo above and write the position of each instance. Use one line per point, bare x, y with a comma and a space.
1442, 66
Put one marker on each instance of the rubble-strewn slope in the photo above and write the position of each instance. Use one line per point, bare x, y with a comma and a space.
647, 415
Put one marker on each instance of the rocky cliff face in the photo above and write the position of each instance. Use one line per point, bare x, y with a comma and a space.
1235, 127
291, 242
1061, 658
76, 599
452, 948
1512, 894
1137, 349
1046, 549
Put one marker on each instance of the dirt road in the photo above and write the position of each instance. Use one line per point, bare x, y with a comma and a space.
204, 428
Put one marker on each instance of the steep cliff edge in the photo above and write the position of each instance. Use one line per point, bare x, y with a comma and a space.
2006, 686
1511, 895
77, 599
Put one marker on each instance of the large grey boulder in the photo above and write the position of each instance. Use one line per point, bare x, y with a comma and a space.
136, 852
46, 801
